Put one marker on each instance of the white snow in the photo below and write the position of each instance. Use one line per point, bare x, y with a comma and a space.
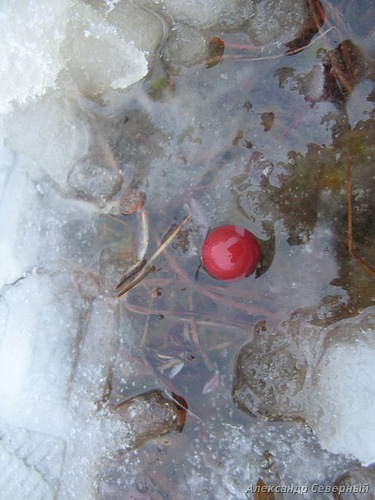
38, 51
31, 34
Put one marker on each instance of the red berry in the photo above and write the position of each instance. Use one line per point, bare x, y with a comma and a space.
230, 253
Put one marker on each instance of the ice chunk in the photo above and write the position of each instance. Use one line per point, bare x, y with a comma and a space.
53, 132
43, 39
277, 377
32, 32
277, 21
209, 14
142, 26
185, 46
274, 369
97, 352
17, 190
342, 409
150, 415
97, 57
94, 180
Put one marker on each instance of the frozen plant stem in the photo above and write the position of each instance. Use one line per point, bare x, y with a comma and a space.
141, 270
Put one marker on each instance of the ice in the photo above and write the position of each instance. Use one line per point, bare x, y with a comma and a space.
94, 181
53, 132
17, 189
98, 58
273, 371
147, 30
32, 33
277, 21
35, 459
357, 483
331, 386
185, 47
37, 348
40, 55
98, 351
85, 132
282, 454
209, 14
342, 408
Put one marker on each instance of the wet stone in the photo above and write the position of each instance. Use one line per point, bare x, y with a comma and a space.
275, 20
272, 373
145, 472
94, 182
357, 484
150, 415
185, 47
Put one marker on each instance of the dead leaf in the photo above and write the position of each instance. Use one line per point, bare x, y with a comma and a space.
309, 28
262, 492
216, 49
267, 120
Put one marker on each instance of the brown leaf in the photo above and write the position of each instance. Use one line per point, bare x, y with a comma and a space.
216, 49
308, 29
344, 68
267, 120
262, 492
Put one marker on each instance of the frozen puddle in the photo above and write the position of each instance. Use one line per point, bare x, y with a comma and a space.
186, 387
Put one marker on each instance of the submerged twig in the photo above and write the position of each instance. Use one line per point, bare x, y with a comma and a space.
171, 394
195, 338
141, 269
130, 273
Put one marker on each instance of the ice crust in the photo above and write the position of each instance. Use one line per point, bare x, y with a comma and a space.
209, 14
39, 53
98, 57
342, 408
70, 139
269, 22
43, 130
32, 33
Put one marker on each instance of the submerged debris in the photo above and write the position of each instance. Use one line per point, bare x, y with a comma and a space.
357, 483
151, 415
273, 370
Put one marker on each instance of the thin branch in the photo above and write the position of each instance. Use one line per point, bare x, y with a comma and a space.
138, 275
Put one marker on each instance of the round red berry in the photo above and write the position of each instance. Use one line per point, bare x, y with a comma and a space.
230, 253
